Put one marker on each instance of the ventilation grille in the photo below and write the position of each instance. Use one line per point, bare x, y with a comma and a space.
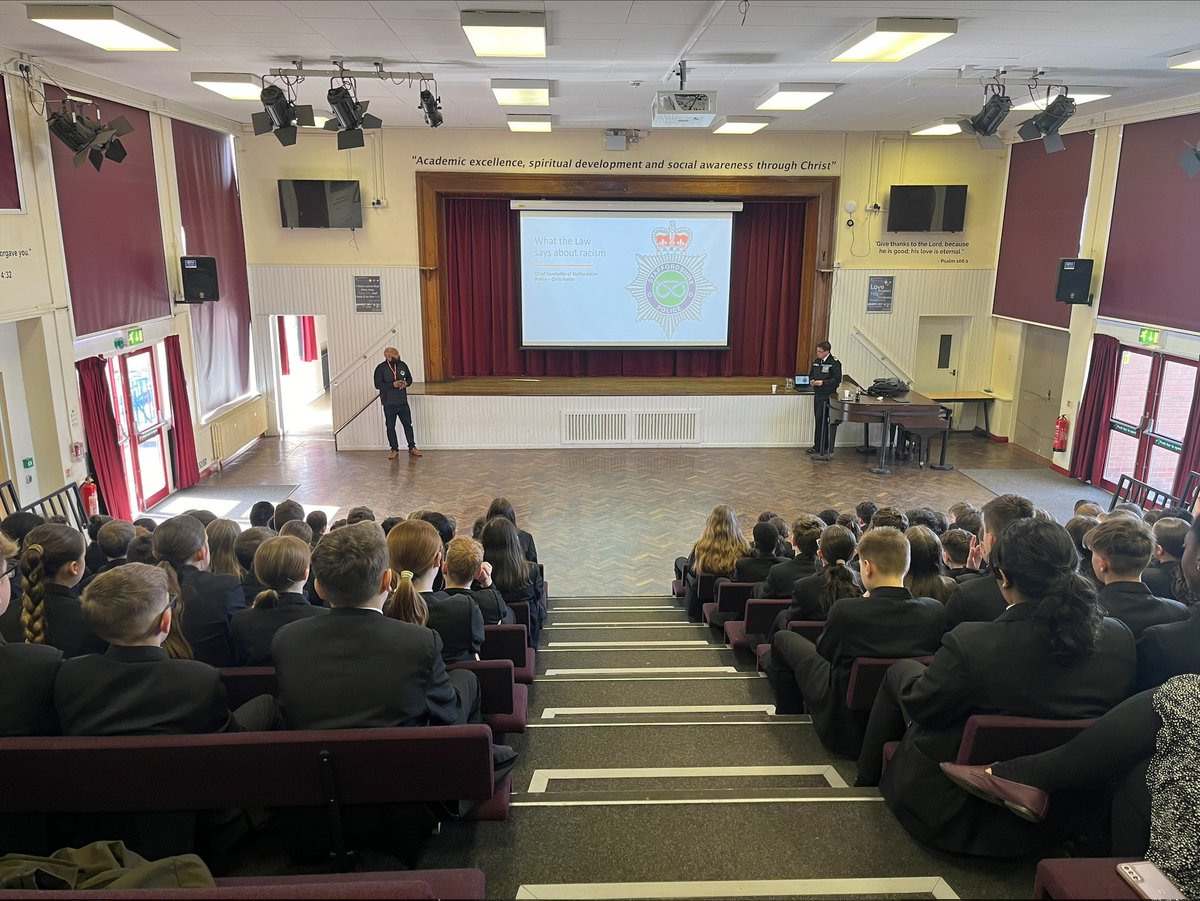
676, 427
595, 428
237, 428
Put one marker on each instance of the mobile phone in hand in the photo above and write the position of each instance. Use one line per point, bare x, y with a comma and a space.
1148, 880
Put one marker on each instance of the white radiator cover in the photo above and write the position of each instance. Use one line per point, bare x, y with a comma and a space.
594, 427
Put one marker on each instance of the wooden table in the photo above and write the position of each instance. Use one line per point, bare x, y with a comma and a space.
983, 398
912, 411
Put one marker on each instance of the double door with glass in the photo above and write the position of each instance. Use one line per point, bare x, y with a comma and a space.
140, 405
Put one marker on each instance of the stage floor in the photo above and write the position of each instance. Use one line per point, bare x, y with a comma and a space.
608, 386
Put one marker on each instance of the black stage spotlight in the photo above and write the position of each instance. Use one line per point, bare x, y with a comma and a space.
432, 107
1045, 125
1190, 161
351, 117
89, 139
281, 115
985, 123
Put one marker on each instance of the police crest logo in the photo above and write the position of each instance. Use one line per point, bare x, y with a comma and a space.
670, 286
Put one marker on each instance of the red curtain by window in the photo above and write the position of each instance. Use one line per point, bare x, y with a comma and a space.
482, 287
100, 428
1189, 456
1095, 410
308, 339
10, 194
285, 364
212, 226
1043, 214
187, 471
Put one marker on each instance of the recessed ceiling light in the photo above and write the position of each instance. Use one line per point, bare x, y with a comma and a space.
521, 92
940, 127
512, 34
234, 85
741, 125
1085, 95
794, 96
528, 123
891, 40
1188, 60
104, 26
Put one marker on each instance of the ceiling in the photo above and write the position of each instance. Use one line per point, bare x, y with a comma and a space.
606, 58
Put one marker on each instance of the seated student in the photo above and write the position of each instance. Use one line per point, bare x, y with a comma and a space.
208, 600
888, 622
755, 567
1077, 527
971, 522
446, 527
357, 668
813, 595
287, 511
828, 516
134, 688
956, 547
114, 538
1087, 508
391, 522
16, 526
926, 572
1051, 654
261, 514
864, 510
27, 671
1164, 575
222, 542
850, 521
502, 507
141, 550
927, 517
979, 599
783, 547
517, 579
146, 523
298, 528
319, 523
52, 565
94, 557
360, 514
281, 566
782, 577
464, 565
204, 517
957, 509
1121, 547
889, 518
477, 527
415, 552
716, 552
246, 546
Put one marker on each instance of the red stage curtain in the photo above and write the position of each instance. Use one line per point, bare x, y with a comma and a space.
285, 365
111, 229
1189, 457
10, 194
308, 339
187, 472
100, 428
483, 284
212, 226
1095, 410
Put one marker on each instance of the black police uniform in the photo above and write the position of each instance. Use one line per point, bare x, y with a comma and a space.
395, 400
829, 373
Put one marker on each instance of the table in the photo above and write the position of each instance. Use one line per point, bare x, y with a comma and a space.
983, 398
912, 411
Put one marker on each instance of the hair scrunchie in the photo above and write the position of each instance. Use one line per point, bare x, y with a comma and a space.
405, 574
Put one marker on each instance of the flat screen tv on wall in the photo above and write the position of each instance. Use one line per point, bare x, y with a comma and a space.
927, 208
311, 203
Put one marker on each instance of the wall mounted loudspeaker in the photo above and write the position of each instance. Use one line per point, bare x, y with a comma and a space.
199, 279
1074, 282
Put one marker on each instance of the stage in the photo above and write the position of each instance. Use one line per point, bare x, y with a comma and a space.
609, 386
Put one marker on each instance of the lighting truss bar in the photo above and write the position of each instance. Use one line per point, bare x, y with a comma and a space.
382, 74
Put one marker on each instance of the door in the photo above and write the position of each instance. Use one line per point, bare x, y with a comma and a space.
1149, 419
141, 425
1039, 396
939, 339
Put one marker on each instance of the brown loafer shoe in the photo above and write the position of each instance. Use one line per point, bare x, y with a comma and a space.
393, 455
1025, 801
413, 452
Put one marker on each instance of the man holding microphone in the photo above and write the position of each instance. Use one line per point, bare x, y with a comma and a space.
392, 378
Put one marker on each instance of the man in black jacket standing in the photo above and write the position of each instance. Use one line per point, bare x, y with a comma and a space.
392, 378
825, 375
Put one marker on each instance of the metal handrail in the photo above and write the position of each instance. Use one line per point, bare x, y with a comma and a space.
880, 355
66, 502
362, 410
334, 381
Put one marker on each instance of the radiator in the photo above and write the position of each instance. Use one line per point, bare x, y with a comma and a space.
237, 428
595, 427
667, 427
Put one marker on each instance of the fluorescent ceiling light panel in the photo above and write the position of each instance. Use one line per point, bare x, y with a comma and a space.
794, 96
1188, 60
891, 40
1085, 95
104, 26
505, 34
521, 92
234, 85
940, 127
741, 125
528, 123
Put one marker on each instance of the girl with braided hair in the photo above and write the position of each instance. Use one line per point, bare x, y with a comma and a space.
51, 566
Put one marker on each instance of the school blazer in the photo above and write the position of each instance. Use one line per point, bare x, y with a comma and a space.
254, 628
782, 577
27, 674
459, 622
977, 600
209, 603
1171, 649
1134, 605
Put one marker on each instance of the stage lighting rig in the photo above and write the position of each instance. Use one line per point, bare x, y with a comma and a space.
985, 123
89, 139
431, 106
1045, 125
281, 114
350, 115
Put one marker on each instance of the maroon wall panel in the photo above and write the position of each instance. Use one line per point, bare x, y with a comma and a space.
212, 227
1152, 269
10, 194
1043, 213
112, 232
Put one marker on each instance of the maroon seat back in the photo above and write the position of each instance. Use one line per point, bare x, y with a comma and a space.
496, 682
706, 587
866, 676
732, 597
761, 613
505, 642
520, 611
242, 683
1082, 877
988, 738
809, 628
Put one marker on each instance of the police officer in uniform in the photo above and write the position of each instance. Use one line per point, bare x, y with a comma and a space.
392, 378
824, 375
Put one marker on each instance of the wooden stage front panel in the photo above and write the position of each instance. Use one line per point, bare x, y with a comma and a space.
622, 386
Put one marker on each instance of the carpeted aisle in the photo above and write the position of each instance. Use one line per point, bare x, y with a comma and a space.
1048, 489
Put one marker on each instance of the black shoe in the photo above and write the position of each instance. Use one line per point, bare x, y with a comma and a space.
811, 450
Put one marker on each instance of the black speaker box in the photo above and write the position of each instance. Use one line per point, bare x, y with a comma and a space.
199, 279
1074, 282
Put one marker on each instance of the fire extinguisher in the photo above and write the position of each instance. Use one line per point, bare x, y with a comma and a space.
1060, 433
91, 496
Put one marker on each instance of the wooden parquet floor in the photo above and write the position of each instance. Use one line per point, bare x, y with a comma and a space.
609, 522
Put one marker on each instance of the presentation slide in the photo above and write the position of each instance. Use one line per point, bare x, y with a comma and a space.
625, 279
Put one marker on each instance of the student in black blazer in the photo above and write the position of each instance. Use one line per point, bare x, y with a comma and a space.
757, 566
1165, 574
94, 556
208, 601
806, 533
281, 564
27, 671
464, 565
113, 539
1052, 654
518, 580
502, 507
134, 688
888, 622
1121, 548
979, 599
52, 566
813, 596
1172, 649
244, 548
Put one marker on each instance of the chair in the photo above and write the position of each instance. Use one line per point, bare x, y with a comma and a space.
503, 702
809, 628
866, 676
1082, 877
760, 615
508, 642
988, 738
731, 598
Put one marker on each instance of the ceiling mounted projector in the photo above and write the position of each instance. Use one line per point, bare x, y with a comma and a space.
683, 109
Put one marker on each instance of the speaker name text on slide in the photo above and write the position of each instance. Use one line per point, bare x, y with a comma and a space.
625, 279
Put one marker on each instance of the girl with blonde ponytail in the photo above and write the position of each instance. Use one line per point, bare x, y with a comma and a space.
51, 566
281, 565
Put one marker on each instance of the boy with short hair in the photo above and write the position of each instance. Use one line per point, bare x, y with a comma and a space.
806, 532
978, 597
114, 538
956, 547
1163, 575
463, 566
1121, 547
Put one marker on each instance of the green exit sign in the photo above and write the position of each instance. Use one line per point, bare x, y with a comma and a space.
1148, 335
135, 337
